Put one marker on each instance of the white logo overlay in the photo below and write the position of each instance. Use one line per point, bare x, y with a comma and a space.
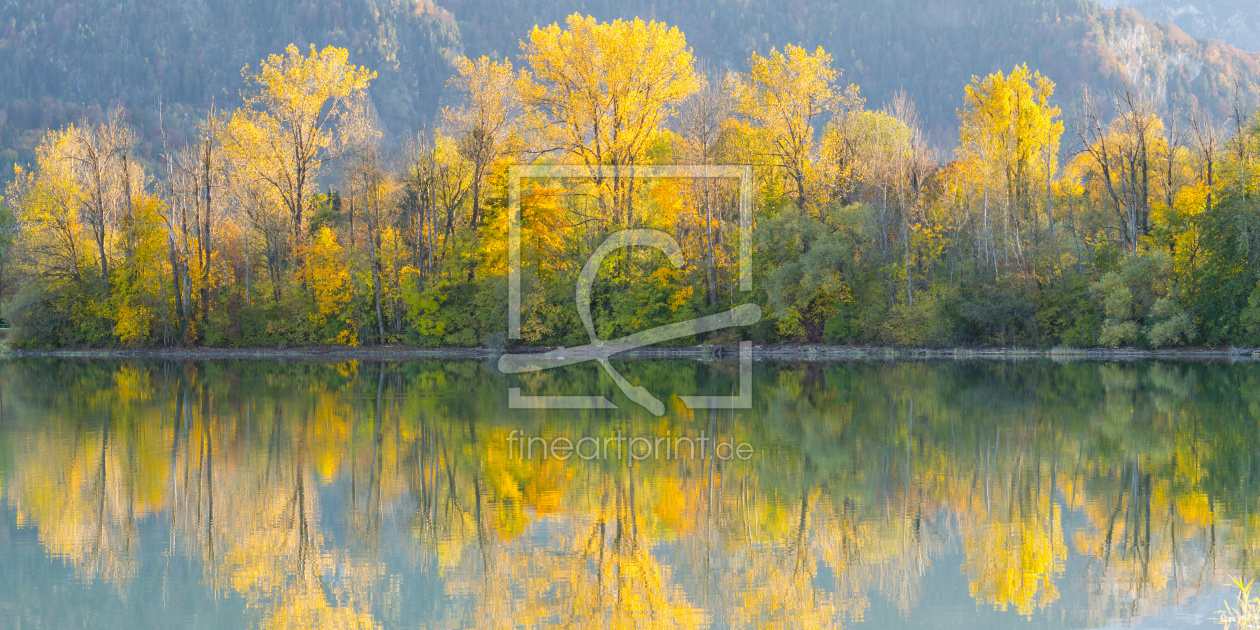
600, 350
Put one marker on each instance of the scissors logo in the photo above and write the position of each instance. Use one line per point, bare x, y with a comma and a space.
600, 350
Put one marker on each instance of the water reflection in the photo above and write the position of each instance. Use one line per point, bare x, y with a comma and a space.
387, 495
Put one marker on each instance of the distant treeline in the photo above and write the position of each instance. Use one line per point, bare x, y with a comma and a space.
1147, 236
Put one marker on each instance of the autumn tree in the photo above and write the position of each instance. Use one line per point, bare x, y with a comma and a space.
785, 94
100, 161
703, 118
87, 242
138, 300
331, 288
47, 202
303, 112
89, 153
1122, 155
484, 125
599, 92
1008, 130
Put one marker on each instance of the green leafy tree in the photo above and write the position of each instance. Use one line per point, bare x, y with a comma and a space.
805, 277
1143, 303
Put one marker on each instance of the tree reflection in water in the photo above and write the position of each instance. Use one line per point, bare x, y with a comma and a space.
328, 496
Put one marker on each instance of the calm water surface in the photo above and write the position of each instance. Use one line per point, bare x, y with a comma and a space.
948, 495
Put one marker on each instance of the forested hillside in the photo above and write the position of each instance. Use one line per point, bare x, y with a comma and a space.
927, 47
1235, 22
62, 60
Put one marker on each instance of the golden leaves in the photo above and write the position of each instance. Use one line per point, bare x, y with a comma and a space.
598, 93
305, 110
782, 95
297, 88
329, 280
1008, 120
47, 200
485, 121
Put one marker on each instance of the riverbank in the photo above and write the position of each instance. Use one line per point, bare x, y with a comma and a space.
785, 353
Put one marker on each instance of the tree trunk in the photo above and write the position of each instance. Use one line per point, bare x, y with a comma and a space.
708, 226
180, 325
248, 301
205, 236
376, 269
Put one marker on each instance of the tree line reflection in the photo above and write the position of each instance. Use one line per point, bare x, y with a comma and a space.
317, 492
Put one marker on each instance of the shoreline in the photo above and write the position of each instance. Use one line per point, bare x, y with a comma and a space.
777, 353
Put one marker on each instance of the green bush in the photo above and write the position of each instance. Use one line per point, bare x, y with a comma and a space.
1142, 303
56, 316
1067, 315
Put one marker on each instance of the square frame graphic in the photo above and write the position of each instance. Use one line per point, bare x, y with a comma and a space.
743, 400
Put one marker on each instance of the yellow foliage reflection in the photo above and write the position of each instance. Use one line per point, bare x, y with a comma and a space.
315, 493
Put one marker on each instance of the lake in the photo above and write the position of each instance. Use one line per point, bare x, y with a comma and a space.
945, 494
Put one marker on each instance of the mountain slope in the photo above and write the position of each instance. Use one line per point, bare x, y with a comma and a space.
1236, 22
930, 48
61, 60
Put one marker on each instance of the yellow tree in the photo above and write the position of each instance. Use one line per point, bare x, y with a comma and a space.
483, 125
100, 160
83, 183
1122, 157
305, 111
1011, 133
330, 282
598, 93
46, 201
783, 94
369, 184
139, 298
84, 194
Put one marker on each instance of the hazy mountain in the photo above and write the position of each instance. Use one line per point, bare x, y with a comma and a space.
61, 60
930, 48
1237, 22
